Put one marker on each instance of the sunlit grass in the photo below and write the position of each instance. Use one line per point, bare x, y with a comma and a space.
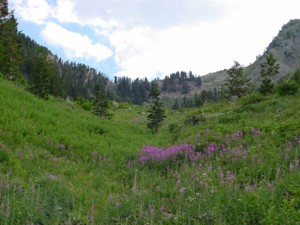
62, 165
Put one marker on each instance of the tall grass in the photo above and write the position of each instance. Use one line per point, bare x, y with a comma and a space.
61, 165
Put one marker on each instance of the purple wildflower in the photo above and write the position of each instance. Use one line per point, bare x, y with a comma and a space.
61, 146
151, 209
209, 168
95, 153
238, 135
183, 151
53, 158
211, 148
182, 190
227, 139
250, 187
202, 184
193, 177
298, 140
91, 219
255, 131
134, 186
296, 162
229, 177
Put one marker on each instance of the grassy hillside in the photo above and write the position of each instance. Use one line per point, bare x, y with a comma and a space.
62, 165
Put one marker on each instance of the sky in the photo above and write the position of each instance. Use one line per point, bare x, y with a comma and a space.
154, 38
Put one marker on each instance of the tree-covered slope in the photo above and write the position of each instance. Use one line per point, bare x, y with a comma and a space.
76, 80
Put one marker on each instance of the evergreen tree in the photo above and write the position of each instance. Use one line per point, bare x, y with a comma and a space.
10, 49
101, 104
197, 100
198, 81
237, 84
44, 76
184, 87
176, 105
156, 113
269, 68
187, 102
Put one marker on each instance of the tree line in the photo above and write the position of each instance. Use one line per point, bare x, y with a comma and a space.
179, 82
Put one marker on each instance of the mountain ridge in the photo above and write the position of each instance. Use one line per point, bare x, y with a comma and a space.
81, 82
285, 48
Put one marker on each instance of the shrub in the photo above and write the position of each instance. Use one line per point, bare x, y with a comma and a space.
252, 99
85, 104
296, 76
174, 128
227, 119
195, 118
288, 88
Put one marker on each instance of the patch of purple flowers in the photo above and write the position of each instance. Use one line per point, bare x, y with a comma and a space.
255, 131
211, 148
238, 135
175, 153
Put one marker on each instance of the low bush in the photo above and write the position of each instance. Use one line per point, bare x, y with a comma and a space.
288, 88
195, 118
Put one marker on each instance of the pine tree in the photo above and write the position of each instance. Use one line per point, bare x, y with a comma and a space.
269, 68
197, 100
237, 84
156, 113
176, 105
44, 77
101, 104
10, 49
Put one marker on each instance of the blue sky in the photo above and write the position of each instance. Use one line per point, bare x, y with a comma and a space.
153, 38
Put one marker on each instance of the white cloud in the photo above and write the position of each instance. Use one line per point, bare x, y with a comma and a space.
244, 31
65, 12
36, 11
150, 37
74, 45
154, 13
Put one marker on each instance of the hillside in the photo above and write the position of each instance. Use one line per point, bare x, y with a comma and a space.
79, 80
62, 165
75, 80
286, 49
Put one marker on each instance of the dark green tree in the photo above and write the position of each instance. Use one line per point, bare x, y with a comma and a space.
198, 81
237, 84
269, 68
10, 49
197, 100
176, 105
45, 80
101, 104
156, 112
187, 102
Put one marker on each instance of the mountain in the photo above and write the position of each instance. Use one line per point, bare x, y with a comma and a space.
286, 49
78, 80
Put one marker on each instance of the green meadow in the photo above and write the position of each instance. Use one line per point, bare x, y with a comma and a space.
60, 164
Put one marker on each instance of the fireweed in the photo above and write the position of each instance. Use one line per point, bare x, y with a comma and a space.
188, 152
173, 153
